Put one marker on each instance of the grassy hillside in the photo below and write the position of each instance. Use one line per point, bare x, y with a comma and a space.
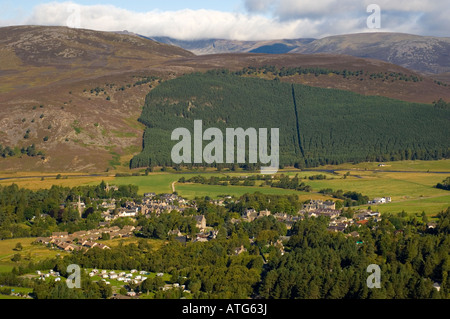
317, 126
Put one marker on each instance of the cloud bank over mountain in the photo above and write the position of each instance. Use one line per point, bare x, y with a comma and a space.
256, 20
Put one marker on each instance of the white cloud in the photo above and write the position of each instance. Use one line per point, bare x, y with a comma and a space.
264, 19
183, 24
410, 16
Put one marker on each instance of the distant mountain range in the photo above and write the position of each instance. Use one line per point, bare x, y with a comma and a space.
214, 46
429, 55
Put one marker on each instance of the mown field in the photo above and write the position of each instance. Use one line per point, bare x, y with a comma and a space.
422, 166
36, 180
412, 192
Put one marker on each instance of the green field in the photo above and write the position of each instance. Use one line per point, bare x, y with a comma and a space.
155, 244
5, 297
423, 166
29, 253
410, 184
162, 183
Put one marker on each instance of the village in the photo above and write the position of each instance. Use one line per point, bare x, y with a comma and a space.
164, 203
316, 208
152, 205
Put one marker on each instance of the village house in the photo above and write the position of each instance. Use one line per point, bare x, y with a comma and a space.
239, 250
312, 214
382, 200
367, 214
264, 213
90, 244
66, 247
128, 228
318, 204
43, 240
280, 246
128, 212
281, 216
251, 214
338, 228
102, 246
79, 234
106, 205
149, 195
362, 222
200, 239
60, 235
331, 213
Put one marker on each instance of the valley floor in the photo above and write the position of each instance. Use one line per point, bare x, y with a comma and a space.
410, 184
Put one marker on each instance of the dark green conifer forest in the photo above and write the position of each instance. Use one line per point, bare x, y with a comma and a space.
317, 126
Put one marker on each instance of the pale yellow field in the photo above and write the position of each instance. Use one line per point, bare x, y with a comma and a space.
35, 183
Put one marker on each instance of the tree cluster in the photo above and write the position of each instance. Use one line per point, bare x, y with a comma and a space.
445, 185
26, 213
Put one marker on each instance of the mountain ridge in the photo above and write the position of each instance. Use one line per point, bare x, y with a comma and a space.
425, 54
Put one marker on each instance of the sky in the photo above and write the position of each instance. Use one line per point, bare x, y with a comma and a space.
235, 19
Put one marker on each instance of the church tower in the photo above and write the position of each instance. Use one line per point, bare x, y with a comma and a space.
80, 210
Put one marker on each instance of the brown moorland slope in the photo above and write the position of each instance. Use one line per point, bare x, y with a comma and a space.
75, 89
35, 56
424, 91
